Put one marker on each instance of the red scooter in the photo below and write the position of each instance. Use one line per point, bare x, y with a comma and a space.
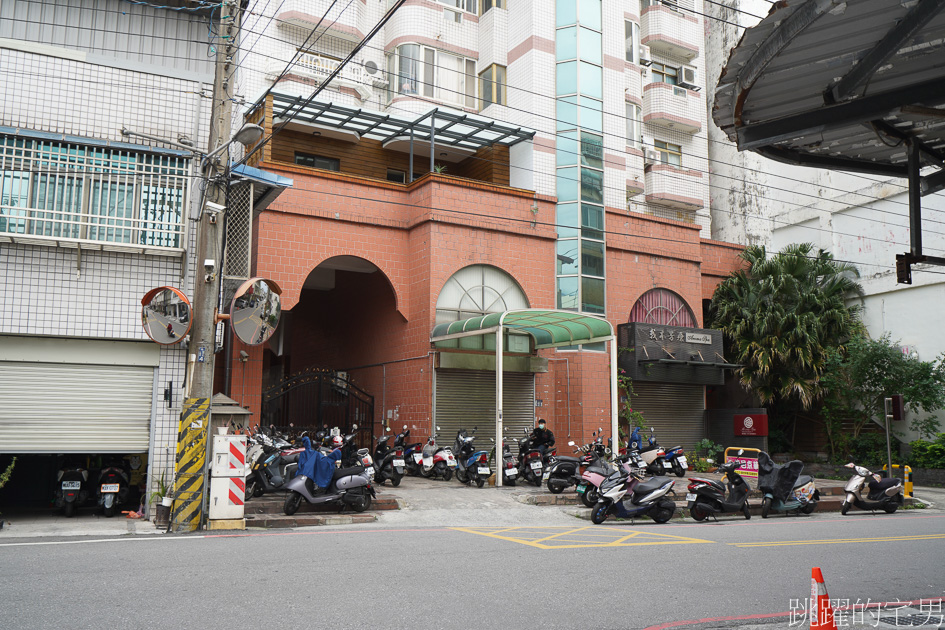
437, 461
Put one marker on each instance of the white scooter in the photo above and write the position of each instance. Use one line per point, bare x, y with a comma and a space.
884, 494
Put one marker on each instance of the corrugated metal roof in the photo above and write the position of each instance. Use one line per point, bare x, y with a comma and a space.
839, 84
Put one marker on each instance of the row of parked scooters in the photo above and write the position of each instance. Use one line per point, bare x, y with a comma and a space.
76, 486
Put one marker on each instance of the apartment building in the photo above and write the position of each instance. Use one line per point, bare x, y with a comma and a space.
478, 156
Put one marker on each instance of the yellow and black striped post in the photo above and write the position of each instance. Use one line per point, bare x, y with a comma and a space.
189, 465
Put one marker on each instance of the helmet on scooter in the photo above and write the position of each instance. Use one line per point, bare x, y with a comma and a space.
337, 441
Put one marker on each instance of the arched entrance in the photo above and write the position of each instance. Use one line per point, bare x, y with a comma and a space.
345, 319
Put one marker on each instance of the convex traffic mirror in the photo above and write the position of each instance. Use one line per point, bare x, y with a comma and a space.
166, 315
255, 310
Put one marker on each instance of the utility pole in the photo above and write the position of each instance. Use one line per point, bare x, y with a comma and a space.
209, 225
190, 466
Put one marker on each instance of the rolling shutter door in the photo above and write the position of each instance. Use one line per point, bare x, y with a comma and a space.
72, 408
675, 412
465, 399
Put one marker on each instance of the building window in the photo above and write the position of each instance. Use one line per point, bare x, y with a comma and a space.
475, 291
317, 161
493, 88
631, 33
396, 176
434, 74
661, 73
662, 306
61, 190
485, 5
634, 126
463, 5
669, 153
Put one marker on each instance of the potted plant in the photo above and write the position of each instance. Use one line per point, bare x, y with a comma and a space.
162, 511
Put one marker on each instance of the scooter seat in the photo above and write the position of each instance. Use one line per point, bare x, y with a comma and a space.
568, 459
346, 472
599, 470
650, 485
803, 480
883, 484
675, 448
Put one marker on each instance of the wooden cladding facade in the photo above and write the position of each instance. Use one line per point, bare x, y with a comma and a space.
367, 158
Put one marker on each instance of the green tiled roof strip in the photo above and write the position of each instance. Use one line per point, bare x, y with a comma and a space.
548, 327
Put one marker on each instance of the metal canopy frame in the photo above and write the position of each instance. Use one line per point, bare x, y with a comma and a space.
549, 328
449, 128
854, 85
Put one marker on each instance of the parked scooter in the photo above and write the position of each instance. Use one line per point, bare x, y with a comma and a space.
270, 464
438, 461
71, 488
413, 455
388, 462
472, 465
784, 488
350, 486
625, 494
707, 497
508, 465
650, 451
530, 462
598, 469
884, 494
112, 486
565, 471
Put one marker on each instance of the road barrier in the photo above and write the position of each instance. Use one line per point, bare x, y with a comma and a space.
749, 465
907, 477
821, 612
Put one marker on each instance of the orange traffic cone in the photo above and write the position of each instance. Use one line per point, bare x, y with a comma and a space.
821, 613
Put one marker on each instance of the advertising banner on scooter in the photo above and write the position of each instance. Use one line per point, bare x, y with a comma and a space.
755, 425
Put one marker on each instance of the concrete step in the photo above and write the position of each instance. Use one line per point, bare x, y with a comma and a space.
272, 504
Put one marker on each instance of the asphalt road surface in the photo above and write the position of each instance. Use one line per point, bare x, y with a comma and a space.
565, 575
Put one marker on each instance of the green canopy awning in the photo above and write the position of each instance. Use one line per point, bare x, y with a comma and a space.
549, 328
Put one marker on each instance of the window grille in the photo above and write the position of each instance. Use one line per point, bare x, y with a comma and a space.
59, 190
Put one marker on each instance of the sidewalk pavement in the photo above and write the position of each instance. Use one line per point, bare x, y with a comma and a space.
424, 503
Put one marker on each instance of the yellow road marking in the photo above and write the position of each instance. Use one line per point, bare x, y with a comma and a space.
578, 538
789, 543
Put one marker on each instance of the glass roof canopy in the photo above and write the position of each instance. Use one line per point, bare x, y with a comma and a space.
449, 127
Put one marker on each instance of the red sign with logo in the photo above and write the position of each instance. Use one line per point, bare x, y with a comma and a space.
751, 426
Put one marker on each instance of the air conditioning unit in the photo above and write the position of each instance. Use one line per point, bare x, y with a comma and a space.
376, 76
651, 157
645, 58
687, 76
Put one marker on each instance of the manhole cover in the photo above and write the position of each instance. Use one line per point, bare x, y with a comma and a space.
921, 620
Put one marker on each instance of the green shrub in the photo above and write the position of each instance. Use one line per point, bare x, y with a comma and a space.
709, 449
868, 449
927, 454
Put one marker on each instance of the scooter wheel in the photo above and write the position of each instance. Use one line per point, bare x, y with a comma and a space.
599, 513
110, 511
664, 511
765, 507
845, 508
462, 477
69, 509
890, 508
809, 508
699, 512
678, 469
536, 480
448, 474
480, 482
507, 482
746, 511
250, 491
292, 502
395, 480
555, 486
590, 497
362, 502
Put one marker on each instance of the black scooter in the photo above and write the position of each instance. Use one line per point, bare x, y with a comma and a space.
707, 497
388, 462
112, 488
72, 488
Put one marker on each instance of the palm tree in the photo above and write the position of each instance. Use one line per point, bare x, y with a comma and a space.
783, 315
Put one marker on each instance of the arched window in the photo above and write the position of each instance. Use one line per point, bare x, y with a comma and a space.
478, 290
662, 306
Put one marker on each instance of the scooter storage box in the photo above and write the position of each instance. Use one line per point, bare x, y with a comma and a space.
351, 481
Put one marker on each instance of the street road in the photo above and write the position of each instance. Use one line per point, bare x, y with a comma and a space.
574, 575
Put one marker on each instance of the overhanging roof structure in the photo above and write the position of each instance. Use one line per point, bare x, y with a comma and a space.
854, 85
549, 328
449, 127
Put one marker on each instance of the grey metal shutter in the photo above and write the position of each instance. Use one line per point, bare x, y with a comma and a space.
72, 408
675, 412
465, 399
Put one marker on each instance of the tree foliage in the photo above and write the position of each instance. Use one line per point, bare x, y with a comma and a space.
784, 315
859, 378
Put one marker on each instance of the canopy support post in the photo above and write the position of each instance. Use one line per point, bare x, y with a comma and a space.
615, 446
498, 405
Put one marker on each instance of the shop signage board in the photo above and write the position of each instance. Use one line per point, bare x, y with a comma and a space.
754, 425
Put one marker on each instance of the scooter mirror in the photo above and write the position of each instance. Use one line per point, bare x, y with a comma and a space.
651, 429
492, 440
741, 451
570, 442
354, 427
850, 465
405, 427
600, 430
438, 428
387, 430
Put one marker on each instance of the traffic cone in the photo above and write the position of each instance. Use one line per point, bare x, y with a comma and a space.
821, 613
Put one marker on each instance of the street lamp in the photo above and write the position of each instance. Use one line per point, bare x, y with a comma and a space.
249, 134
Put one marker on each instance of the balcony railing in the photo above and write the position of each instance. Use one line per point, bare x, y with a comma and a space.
670, 30
668, 185
341, 19
319, 67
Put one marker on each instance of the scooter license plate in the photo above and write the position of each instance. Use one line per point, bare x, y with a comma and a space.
484, 470
582, 488
71, 485
546, 475
109, 487
667, 464
511, 472
399, 462
690, 496
683, 462
451, 463
535, 465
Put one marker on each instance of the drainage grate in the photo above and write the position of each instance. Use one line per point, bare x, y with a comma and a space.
914, 621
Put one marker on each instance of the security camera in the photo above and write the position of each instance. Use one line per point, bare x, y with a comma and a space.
213, 209
244, 356
209, 264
